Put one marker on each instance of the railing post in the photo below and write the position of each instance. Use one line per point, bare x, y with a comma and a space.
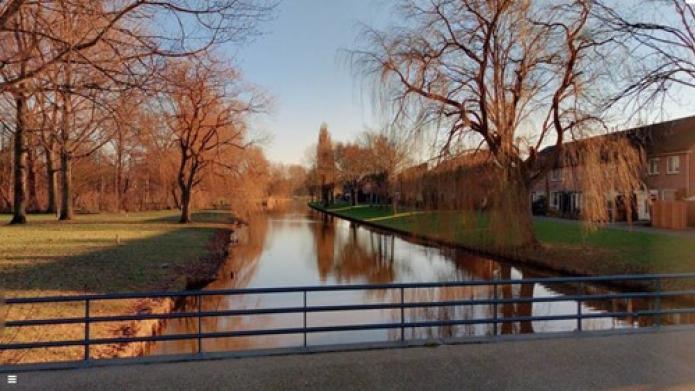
658, 302
304, 312
579, 307
86, 330
199, 301
402, 316
494, 308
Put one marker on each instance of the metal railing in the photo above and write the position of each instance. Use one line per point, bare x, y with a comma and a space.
579, 285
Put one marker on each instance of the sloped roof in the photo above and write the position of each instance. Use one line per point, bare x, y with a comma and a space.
663, 137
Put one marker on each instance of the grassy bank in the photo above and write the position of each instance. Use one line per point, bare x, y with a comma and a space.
564, 246
101, 253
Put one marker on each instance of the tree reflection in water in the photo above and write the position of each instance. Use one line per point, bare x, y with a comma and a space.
291, 248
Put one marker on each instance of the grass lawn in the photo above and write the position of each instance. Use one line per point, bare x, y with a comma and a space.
98, 253
564, 245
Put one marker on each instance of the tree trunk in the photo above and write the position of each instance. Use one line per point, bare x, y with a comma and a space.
119, 171
102, 190
51, 182
353, 196
177, 203
185, 205
66, 209
511, 218
33, 199
324, 195
546, 205
118, 186
185, 186
19, 207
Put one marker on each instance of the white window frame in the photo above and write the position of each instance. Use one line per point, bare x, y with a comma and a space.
653, 170
669, 167
553, 203
577, 201
556, 175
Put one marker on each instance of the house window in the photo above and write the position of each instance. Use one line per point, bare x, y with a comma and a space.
576, 201
556, 175
668, 195
653, 168
555, 200
673, 165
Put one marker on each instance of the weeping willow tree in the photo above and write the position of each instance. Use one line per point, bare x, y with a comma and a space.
501, 80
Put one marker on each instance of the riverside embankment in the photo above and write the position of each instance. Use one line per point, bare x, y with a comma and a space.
564, 247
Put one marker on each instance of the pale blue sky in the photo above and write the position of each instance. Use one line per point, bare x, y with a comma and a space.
298, 62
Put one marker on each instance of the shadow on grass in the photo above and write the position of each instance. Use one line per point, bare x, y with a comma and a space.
205, 216
150, 263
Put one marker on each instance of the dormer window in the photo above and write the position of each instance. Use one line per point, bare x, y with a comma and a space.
673, 165
653, 166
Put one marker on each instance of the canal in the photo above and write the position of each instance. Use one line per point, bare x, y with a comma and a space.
298, 246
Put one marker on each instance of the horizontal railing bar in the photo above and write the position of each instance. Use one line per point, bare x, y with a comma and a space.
44, 344
336, 308
46, 322
321, 329
324, 288
171, 315
261, 332
671, 311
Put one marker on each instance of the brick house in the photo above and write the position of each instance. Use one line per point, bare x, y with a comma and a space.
670, 171
459, 182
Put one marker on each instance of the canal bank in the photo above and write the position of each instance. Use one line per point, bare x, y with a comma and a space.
555, 255
197, 276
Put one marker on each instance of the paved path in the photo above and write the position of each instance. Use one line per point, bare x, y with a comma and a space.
664, 360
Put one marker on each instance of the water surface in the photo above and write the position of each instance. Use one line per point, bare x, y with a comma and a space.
300, 247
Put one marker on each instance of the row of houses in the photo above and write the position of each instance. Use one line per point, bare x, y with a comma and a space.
462, 182
669, 174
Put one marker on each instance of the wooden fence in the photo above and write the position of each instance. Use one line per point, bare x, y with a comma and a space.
671, 214
691, 213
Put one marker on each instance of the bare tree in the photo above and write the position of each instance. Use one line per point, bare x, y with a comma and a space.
325, 165
5, 167
504, 77
206, 109
352, 163
186, 27
45, 42
661, 43
389, 154
22, 46
126, 144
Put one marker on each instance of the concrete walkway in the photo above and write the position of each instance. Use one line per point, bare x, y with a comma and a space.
645, 361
